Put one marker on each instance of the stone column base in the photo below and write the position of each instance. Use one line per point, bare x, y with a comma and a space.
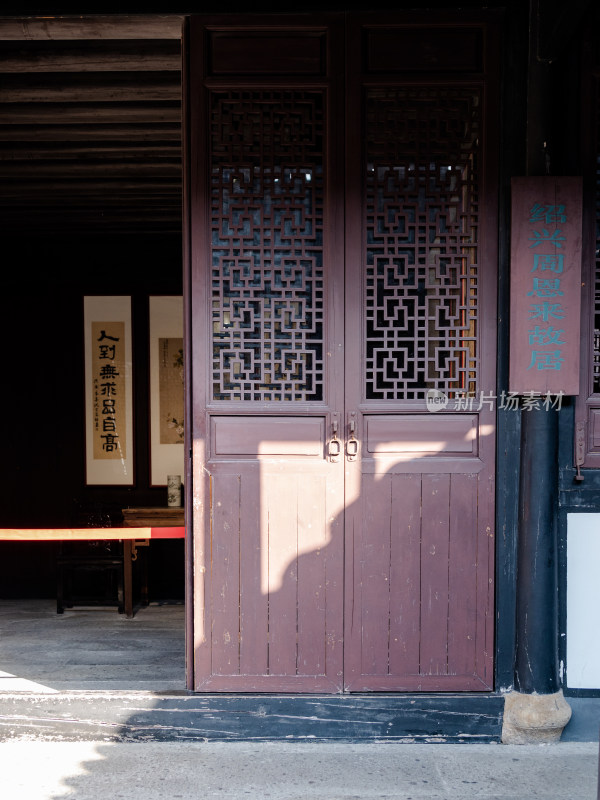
534, 718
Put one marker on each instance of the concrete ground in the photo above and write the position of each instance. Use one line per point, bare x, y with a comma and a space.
33, 770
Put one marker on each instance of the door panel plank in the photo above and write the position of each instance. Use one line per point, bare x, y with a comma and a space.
434, 574
267, 436
225, 575
422, 434
462, 575
485, 578
282, 579
405, 574
375, 554
253, 601
312, 578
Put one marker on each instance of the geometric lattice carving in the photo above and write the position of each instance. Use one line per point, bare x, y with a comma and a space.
421, 273
266, 217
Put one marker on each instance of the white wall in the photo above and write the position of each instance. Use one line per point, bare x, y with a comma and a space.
583, 601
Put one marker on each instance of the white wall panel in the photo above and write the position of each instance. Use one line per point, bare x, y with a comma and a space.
583, 601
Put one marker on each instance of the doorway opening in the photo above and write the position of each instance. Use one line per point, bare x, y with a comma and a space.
90, 207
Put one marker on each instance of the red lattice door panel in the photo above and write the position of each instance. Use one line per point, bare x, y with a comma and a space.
268, 315
421, 271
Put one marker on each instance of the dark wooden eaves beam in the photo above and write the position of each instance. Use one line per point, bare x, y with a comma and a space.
150, 26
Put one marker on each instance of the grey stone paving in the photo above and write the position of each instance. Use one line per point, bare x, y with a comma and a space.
90, 649
279, 771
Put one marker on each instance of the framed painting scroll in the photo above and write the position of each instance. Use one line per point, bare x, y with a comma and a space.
109, 449
166, 388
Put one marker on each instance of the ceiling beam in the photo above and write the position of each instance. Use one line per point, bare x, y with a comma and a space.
90, 124
138, 188
119, 87
149, 26
103, 56
67, 154
126, 133
92, 223
166, 168
42, 114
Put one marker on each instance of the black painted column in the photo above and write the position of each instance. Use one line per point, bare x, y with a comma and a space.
536, 660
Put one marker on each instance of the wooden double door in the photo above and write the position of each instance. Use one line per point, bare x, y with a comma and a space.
342, 220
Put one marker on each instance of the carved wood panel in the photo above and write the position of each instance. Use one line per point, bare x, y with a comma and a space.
422, 266
267, 188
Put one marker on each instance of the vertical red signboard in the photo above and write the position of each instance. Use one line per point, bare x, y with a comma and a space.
545, 297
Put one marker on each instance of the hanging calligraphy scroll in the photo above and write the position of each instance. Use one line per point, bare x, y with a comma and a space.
108, 391
166, 388
545, 285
